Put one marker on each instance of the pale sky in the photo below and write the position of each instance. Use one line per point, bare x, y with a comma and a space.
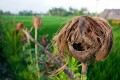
15, 6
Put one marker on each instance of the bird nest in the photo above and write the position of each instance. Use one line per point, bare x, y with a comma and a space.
85, 38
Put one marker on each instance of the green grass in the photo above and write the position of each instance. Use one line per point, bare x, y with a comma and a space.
106, 70
50, 25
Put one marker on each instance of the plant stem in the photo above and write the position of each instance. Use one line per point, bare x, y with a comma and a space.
37, 67
84, 68
84, 71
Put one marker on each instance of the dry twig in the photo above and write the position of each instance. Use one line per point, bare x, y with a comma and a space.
56, 61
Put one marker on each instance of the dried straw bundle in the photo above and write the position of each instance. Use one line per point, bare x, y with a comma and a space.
19, 29
85, 38
37, 21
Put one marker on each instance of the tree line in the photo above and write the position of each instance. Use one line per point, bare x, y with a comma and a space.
5, 13
64, 12
52, 12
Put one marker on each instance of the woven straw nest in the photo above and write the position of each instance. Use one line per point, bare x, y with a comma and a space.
85, 38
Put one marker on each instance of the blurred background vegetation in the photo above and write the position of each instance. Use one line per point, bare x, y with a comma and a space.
51, 12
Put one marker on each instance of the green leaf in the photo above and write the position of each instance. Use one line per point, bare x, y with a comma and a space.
41, 57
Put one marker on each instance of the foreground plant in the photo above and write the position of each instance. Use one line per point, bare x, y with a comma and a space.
36, 23
13, 53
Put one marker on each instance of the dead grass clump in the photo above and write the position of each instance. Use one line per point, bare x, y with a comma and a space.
19, 29
85, 38
37, 21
